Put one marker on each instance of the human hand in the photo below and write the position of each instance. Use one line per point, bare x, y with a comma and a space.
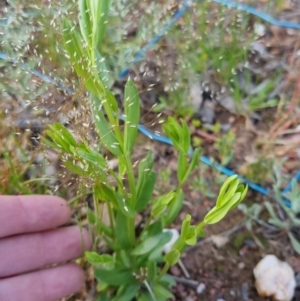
29, 242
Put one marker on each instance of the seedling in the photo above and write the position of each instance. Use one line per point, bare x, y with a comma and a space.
131, 268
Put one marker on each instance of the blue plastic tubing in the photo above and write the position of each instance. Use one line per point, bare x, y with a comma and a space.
186, 5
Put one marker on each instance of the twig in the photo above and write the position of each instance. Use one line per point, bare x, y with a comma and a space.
183, 268
191, 283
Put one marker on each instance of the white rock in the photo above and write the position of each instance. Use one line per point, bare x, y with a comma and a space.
175, 235
200, 288
274, 278
259, 29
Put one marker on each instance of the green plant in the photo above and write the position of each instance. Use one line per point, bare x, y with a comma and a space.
131, 268
252, 212
259, 170
200, 183
290, 220
224, 145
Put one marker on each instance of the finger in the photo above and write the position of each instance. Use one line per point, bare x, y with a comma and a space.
28, 252
47, 285
32, 213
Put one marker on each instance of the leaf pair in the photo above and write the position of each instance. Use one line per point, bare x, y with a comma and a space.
180, 135
93, 16
230, 195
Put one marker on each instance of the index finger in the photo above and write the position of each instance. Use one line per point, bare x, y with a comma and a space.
31, 213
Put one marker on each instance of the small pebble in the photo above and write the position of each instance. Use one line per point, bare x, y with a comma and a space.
259, 29
175, 235
200, 288
50, 170
232, 293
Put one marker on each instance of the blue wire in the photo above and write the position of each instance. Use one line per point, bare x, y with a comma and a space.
289, 186
45, 78
209, 162
259, 14
142, 53
156, 38
186, 6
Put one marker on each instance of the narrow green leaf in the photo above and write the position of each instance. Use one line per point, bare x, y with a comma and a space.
80, 59
161, 204
277, 223
149, 243
106, 134
167, 281
270, 209
245, 190
123, 230
194, 162
115, 277
158, 210
145, 191
174, 132
182, 166
105, 260
144, 296
76, 169
217, 213
112, 102
64, 132
161, 293
123, 205
195, 158
73, 45
151, 270
50, 143
155, 228
93, 157
99, 13
145, 177
85, 22
224, 187
91, 217
243, 194
172, 257
126, 293
132, 115
105, 193
186, 136
58, 138
231, 190
191, 238
295, 243
185, 227
174, 208
106, 78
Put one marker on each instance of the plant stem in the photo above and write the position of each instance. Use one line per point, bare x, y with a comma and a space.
96, 205
132, 196
163, 272
149, 290
131, 179
111, 218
